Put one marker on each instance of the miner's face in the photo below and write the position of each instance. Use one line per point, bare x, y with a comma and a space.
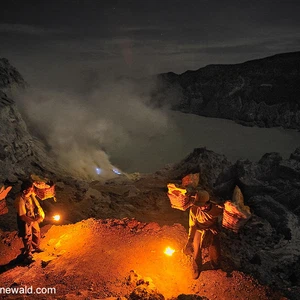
206, 206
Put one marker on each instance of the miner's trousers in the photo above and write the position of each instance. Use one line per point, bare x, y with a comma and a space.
213, 248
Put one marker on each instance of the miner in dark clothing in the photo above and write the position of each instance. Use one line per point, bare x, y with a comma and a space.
203, 231
29, 215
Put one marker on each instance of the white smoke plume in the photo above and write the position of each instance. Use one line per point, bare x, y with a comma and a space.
87, 130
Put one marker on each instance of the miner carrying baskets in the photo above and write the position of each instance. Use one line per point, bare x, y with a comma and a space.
30, 213
204, 216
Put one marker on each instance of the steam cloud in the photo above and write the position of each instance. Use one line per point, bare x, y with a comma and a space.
104, 125
87, 130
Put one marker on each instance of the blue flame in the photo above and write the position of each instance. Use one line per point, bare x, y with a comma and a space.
98, 170
116, 171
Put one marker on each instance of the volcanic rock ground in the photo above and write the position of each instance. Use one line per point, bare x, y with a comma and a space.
106, 259
121, 254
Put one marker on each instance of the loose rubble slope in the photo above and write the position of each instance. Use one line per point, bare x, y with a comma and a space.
106, 259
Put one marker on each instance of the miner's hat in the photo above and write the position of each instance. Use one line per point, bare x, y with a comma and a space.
202, 198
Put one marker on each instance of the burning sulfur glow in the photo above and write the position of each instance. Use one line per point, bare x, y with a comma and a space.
169, 251
116, 171
56, 217
98, 170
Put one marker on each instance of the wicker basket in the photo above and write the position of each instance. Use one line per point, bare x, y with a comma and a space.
233, 219
45, 193
4, 192
178, 197
3, 204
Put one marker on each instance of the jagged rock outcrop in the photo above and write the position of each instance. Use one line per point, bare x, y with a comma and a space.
269, 244
206, 162
263, 92
9, 75
20, 153
271, 175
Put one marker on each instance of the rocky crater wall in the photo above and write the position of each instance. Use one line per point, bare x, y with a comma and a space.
263, 92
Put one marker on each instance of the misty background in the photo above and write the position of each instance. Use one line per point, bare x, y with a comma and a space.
78, 58
112, 127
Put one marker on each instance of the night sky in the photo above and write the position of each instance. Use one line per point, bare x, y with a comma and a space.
49, 41
74, 55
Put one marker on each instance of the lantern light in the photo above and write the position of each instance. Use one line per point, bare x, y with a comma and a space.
56, 217
169, 251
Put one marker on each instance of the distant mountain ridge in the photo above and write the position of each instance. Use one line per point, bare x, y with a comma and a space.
263, 92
